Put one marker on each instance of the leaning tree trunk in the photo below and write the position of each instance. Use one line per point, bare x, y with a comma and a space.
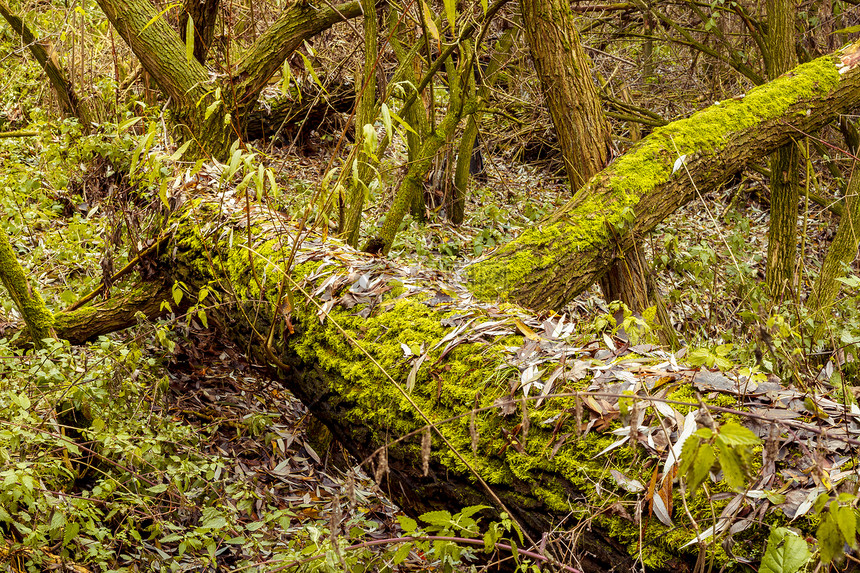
582, 130
784, 180
44, 53
548, 266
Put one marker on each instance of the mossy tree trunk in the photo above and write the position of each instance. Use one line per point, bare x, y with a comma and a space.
37, 317
162, 54
548, 266
365, 116
785, 178
347, 367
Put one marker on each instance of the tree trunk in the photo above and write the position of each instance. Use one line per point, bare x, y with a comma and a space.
347, 385
569, 91
365, 116
843, 248
582, 129
546, 267
345, 330
37, 317
785, 179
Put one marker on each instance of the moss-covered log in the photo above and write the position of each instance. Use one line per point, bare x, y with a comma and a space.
547, 266
377, 352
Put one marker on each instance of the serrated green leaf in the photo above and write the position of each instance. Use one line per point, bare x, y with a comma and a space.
407, 524
731, 464
786, 552
733, 434
847, 523
701, 466
402, 553
439, 518
829, 540
472, 510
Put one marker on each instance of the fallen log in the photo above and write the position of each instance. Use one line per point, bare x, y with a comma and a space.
546, 267
443, 395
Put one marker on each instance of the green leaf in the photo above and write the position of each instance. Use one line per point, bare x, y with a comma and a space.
484, 6
829, 540
158, 488
71, 532
211, 108
733, 434
786, 552
405, 125
179, 152
159, 15
428, 20
472, 510
702, 464
407, 524
848, 30
310, 68
847, 523
189, 39
386, 121
451, 13
731, 464
402, 553
439, 518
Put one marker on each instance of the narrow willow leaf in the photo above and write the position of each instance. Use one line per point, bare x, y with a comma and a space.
189, 39
428, 20
159, 15
451, 13
179, 152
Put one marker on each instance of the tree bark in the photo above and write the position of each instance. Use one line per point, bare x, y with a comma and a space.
785, 179
347, 386
569, 91
365, 116
336, 324
37, 317
548, 266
